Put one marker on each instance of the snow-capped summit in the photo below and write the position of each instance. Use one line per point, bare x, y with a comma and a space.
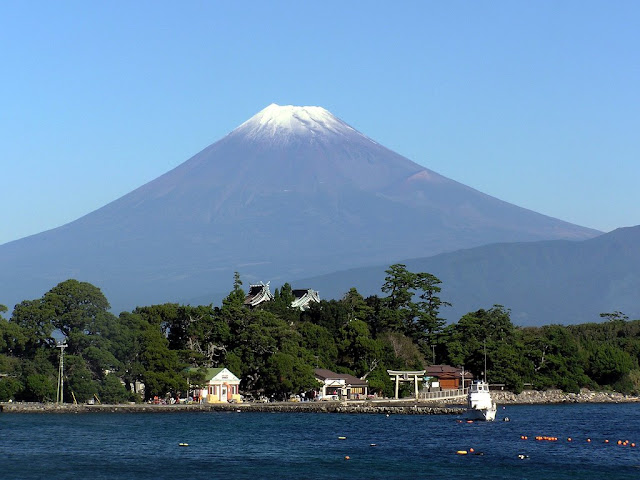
281, 123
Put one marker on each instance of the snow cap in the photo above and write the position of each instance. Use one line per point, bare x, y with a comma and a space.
277, 122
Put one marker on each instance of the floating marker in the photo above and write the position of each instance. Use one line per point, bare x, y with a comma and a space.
373, 445
183, 444
342, 438
347, 457
461, 452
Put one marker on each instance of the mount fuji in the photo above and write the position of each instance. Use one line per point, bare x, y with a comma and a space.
293, 192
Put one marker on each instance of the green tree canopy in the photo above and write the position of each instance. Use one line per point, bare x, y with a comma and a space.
75, 305
419, 320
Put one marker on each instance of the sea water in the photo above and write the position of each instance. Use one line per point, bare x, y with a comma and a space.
248, 445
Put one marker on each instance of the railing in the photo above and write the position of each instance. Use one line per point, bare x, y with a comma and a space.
444, 394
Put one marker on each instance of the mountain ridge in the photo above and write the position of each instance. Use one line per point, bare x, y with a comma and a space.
312, 205
543, 282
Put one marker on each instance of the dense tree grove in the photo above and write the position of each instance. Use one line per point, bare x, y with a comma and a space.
274, 348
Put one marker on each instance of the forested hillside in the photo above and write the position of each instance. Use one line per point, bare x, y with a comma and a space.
274, 348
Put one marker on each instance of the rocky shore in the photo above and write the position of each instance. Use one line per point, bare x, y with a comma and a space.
534, 397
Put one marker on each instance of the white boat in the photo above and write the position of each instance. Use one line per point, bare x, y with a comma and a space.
479, 403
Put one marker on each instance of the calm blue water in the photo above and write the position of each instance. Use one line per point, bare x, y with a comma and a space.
306, 446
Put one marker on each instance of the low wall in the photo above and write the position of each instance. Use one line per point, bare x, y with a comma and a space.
407, 408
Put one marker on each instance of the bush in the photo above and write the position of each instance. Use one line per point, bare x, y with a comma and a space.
39, 388
609, 364
569, 385
9, 387
629, 383
112, 390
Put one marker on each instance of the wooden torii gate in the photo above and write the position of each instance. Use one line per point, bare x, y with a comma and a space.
407, 376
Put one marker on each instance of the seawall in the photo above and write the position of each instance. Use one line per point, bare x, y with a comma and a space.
405, 408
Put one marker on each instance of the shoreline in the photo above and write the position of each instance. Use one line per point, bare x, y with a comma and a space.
534, 397
404, 406
410, 407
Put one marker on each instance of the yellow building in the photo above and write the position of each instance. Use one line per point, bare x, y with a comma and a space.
221, 386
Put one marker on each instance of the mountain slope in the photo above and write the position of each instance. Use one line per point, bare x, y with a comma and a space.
541, 282
292, 192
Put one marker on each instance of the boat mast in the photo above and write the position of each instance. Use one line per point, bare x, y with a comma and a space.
485, 360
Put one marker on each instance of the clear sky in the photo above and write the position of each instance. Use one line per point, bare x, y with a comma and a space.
536, 103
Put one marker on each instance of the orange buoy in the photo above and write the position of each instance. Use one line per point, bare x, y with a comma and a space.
606, 441
588, 440
569, 439
471, 450
347, 457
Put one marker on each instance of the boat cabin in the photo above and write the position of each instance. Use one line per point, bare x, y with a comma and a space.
478, 387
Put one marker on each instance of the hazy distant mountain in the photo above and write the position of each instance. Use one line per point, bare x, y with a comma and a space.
292, 192
541, 282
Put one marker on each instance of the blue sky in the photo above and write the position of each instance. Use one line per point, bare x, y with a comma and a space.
536, 103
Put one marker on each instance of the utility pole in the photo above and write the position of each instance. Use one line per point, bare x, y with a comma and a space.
433, 349
60, 391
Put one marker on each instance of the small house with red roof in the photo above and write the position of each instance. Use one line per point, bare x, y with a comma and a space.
449, 377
